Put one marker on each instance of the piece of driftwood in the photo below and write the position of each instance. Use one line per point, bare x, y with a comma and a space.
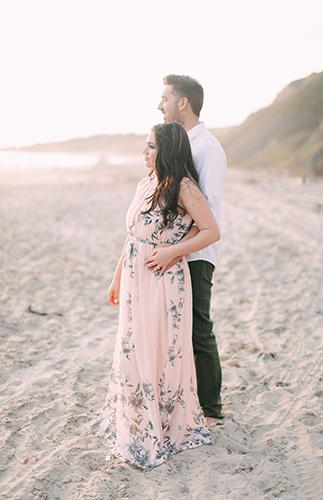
43, 313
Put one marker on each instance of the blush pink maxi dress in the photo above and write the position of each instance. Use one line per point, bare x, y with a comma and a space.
152, 409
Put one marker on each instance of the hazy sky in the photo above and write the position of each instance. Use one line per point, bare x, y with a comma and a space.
71, 68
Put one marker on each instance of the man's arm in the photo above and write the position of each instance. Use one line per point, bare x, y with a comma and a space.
194, 202
211, 163
192, 232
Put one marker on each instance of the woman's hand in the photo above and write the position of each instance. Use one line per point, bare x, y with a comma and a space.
160, 259
113, 292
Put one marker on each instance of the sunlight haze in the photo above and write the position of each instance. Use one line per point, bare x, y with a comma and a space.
79, 68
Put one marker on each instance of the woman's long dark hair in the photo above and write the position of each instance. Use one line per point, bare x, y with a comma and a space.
173, 162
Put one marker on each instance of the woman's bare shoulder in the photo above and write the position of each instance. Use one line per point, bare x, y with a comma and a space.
189, 193
189, 186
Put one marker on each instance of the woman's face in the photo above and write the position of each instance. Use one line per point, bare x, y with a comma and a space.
150, 151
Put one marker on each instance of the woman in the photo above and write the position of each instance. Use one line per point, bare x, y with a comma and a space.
152, 410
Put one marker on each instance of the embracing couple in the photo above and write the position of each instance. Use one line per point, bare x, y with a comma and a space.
164, 389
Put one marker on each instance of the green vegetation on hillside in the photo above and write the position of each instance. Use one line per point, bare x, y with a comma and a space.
286, 134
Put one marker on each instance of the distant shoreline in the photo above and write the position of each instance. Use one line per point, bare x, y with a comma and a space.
100, 143
44, 160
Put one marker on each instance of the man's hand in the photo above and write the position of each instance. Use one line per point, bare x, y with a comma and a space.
161, 259
154, 266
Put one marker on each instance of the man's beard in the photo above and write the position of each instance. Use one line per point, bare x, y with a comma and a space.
175, 117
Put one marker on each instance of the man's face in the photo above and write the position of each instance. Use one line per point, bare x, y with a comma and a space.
169, 106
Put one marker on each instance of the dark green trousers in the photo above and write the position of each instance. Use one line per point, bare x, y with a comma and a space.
207, 361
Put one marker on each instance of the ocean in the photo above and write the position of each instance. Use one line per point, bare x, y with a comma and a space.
14, 160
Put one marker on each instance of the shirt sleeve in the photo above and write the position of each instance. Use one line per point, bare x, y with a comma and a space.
210, 164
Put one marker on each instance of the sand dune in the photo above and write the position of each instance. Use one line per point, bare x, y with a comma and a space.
62, 232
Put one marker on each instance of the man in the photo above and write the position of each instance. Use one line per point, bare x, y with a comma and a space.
181, 102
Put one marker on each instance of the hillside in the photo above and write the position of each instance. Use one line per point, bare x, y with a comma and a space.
114, 144
122, 144
288, 134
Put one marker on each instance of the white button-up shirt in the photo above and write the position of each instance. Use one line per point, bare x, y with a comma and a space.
210, 163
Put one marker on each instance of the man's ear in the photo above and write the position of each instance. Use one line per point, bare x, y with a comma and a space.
183, 103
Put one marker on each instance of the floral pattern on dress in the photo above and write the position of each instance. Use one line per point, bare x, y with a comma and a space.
127, 347
152, 409
173, 310
179, 274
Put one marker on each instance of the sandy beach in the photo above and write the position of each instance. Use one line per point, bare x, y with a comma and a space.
62, 231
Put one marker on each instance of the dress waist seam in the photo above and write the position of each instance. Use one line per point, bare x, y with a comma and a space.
142, 240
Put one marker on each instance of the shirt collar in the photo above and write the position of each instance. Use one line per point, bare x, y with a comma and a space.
195, 130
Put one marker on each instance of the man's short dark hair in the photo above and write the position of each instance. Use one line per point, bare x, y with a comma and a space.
185, 86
